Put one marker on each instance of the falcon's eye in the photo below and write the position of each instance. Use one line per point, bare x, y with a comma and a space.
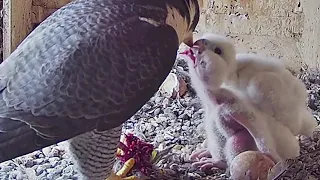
218, 51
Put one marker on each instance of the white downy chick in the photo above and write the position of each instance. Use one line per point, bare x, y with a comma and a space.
263, 81
249, 76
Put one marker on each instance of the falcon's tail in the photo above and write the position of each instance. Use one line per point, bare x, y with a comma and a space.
16, 139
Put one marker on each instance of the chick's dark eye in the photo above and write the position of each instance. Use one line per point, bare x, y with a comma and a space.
203, 64
218, 51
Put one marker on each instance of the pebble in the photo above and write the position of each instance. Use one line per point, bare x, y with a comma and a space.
168, 137
154, 123
178, 128
66, 156
6, 168
54, 161
39, 170
161, 119
148, 126
156, 112
200, 128
158, 100
13, 175
29, 163
46, 151
60, 178
55, 152
165, 102
51, 171
174, 167
51, 176
59, 170
185, 128
68, 170
39, 161
40, 155
178, 147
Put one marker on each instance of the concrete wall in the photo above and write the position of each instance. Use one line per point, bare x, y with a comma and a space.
287, 29
310, 41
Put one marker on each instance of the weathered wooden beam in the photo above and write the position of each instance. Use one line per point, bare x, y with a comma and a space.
50, 4
20, 17
40, 13
16, 23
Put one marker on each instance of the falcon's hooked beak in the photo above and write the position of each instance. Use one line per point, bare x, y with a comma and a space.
190, 54
188, 40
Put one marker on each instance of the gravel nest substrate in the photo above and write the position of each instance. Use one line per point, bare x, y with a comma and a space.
175, 123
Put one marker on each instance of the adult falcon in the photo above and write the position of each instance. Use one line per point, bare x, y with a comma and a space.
84, 71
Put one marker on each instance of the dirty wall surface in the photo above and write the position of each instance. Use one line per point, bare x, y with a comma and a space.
287, 29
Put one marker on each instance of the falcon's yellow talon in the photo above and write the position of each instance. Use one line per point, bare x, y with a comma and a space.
126, 167
120, 175
154, 154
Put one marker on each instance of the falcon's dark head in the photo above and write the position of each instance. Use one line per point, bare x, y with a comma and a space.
183, 16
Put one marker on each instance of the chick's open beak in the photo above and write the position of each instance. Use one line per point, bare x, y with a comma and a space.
200, 45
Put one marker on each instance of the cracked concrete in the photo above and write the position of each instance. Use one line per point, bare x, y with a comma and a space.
286, 29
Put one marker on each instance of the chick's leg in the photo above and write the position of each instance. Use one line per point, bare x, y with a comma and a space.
212, 155
94, 153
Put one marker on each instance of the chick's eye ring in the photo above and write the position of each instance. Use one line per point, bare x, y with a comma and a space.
218, 51
203, 64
